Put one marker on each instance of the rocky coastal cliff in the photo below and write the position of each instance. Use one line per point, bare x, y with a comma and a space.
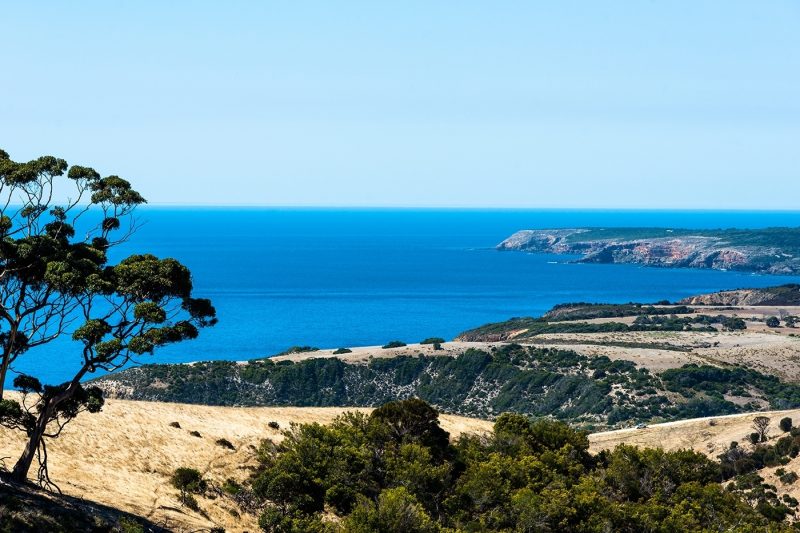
772, 251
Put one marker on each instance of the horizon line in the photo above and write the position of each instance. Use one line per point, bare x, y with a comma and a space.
467, 208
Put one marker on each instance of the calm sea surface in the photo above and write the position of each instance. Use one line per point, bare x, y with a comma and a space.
338, 277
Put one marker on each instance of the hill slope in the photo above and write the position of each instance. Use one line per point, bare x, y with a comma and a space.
123, 456
592, 390
713, 437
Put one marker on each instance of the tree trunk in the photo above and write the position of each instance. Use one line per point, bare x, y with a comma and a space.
23, 465
3, 372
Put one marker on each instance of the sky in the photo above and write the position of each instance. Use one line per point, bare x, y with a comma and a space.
648, 104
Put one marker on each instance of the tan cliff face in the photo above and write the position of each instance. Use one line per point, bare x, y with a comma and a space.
689, 251
783, 295
737, 297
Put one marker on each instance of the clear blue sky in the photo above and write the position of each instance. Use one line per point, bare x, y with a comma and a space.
690, 104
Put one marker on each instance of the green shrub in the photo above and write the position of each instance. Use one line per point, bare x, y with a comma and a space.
785, 424
433, 340
340, 351
231, 486
128, 525
188, 481
191, 502
299, 349
733, 324
393, 344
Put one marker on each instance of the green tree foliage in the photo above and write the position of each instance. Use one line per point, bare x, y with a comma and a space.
785, 424
396, 510
54, 283
773, 322
393, 471
188, 481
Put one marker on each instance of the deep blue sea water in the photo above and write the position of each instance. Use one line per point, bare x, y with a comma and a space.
339, 277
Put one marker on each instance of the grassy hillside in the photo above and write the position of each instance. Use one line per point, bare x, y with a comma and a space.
594, 391
401, 467
121, 460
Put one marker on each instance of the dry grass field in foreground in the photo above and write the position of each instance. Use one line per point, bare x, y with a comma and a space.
124, 455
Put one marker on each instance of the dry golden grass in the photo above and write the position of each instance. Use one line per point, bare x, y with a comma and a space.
123, 456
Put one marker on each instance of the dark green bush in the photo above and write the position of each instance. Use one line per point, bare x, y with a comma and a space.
188, 481
225, 443
394, 344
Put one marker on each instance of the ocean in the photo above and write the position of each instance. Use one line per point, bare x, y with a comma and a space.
348, 277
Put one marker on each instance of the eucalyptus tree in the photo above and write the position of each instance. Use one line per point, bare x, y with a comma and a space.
54, 283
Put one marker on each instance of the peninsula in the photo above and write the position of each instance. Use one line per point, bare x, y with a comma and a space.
768, 250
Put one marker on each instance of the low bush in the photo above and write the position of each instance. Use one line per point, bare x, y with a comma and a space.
299, 349
189, 481
225, 443
393, 344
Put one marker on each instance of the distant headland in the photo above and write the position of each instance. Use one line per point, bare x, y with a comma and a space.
768, 250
